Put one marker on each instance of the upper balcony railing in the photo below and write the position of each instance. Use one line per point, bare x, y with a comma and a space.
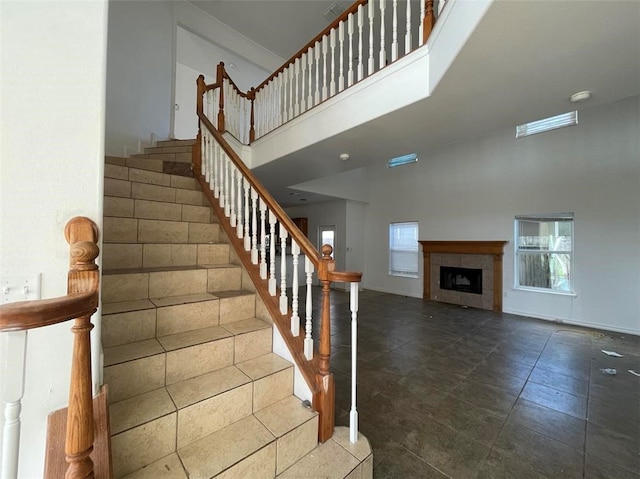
365, 38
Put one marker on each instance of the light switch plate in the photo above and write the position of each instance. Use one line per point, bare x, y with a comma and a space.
23, 288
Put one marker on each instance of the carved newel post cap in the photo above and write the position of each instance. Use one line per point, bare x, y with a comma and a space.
326, 251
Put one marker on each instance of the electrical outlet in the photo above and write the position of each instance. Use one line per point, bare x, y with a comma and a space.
20, 288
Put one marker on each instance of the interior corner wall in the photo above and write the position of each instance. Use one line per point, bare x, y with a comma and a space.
140, 66
473, 190
52, 169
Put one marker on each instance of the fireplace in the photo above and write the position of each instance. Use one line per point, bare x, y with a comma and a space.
467, 273
466, 280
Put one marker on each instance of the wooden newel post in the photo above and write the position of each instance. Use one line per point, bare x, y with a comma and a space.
326, 400
201, 87
429, 20
82, 234
220, 82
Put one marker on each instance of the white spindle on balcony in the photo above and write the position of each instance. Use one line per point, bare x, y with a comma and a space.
407, 35
316, 97
310, 57
421, 26
383, 47
360, 27
296, 88
394, 35
308, 340
325, 83
372, 13
303, 98
341, 47
295, 318
332, 45
351, 59
284, 302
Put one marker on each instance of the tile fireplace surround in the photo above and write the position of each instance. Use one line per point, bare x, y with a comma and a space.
485, 255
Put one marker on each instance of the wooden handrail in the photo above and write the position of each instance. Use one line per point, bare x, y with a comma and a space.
352, 9
80, 303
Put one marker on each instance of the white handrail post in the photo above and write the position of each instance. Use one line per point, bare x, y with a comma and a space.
308, 341
284, 302
272, 253
383, 47
254, 226
407, 34
353, 414
14, 350
263, 236
394, 41
372, 14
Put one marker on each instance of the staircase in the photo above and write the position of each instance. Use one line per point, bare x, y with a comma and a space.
194, 387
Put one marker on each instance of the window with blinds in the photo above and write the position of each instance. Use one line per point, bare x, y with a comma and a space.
403, 249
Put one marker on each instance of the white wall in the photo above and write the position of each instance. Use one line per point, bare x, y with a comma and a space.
52, 148
139, 73
474, 189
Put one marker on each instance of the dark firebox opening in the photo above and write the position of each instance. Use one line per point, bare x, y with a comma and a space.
466, 280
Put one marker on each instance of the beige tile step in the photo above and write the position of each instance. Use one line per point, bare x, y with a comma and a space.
138, 230
182, 157
272, 378
152, 255
143, 283
176, 142
335, 459
126, 207
295, 428
168, 467
243, 449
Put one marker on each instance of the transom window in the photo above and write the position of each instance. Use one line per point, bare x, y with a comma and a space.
544, 252
403, 249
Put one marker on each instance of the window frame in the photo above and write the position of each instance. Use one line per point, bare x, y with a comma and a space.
519, 251
392, 249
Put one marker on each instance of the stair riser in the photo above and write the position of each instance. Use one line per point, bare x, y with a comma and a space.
133, 230
206, 417
135, 377
200, 359
259, 465
272, 388
143, 445
251, 345
296, 444
134, 255
161, 284
128, 327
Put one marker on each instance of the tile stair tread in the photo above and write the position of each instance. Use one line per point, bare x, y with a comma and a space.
191, 391
169, 467
284, 415
192, 338
138, 410
263, 366
245, 326
183, 299
131, 351
217, 452
328, 460
127, 306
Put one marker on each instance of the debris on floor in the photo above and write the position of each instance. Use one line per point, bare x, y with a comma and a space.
612, 353
634, 373
609, 371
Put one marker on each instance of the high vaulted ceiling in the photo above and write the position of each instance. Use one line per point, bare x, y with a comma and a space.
521, 64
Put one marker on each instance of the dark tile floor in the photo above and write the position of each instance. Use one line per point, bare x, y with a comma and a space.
445, 391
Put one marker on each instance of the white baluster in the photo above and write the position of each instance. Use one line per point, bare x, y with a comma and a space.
284, 301
341, 46
13, 346
263, 239
216, 170
240, 224
233, 219
272, 253
372, 14
350, 31
303, 99
421, 27
332, 84
360, 26
353, 414
407, 34
225, 186
394, 40
316, 97
296, 88
295, 318
308, 341
310, 57
441, 5
204, 137
325, 83
290, 74
247, 229
254, 226
383, 46
283, 107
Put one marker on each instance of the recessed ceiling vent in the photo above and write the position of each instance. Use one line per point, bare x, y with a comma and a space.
333, 12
